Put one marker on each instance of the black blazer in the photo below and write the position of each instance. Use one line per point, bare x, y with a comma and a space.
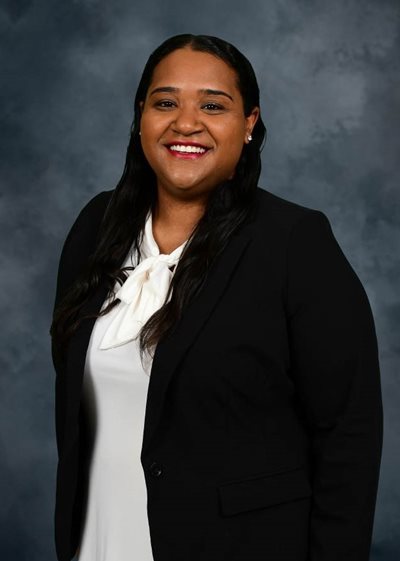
264, 423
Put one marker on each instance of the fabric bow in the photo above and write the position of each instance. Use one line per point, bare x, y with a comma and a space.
143, 293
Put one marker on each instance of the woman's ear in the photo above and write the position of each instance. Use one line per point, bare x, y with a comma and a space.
252, 119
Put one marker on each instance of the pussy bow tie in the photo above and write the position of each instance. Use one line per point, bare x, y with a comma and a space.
142, 294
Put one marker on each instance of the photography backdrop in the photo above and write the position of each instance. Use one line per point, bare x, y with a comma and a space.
329, 79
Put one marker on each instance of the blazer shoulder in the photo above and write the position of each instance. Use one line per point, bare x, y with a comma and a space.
271, 202
281, 214
87, 223
80, 241
94, 210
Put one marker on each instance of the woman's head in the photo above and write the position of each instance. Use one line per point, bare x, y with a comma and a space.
220, 123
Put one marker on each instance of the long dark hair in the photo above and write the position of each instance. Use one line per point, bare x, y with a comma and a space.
228, 206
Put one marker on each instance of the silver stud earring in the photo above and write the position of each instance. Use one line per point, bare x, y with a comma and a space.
249, 138
140, 132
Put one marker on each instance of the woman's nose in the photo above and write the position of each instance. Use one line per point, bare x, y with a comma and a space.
187, 121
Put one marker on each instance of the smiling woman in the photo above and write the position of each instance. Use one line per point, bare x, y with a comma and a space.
217, 377
179, 113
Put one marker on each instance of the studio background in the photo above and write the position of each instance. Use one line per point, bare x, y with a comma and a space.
329, 79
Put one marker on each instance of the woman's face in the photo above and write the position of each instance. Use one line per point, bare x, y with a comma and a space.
179, 112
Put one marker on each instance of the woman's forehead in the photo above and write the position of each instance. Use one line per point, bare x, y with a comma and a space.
194, 70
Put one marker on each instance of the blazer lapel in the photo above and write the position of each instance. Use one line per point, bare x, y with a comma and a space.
170, 351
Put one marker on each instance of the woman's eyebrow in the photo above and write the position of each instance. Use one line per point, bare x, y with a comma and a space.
208, 91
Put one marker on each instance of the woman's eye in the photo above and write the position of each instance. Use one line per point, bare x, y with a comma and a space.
160, 103
215, 107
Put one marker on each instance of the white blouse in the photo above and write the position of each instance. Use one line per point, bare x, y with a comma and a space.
114, 393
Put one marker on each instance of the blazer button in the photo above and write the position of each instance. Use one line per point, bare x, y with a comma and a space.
155, 469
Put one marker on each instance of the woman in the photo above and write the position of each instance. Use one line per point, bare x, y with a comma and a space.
257, 431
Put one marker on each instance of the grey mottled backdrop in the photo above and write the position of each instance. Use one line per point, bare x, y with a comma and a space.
329, 80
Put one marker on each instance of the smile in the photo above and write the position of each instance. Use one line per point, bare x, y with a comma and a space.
187, 152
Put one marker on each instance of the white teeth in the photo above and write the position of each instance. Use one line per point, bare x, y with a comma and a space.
180, 148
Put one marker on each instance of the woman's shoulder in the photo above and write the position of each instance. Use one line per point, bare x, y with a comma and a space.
82, 235
91, 214
282, 218
97, 204
308, 240
282, 210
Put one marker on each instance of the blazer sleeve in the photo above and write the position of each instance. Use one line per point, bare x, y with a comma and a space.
335, 369
79, 243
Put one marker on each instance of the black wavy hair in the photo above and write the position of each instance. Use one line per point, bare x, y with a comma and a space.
228, 206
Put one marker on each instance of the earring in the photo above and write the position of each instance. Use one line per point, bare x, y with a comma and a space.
140, 132
249, 138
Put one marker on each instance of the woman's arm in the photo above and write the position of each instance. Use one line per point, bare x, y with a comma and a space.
79, 243
335, 368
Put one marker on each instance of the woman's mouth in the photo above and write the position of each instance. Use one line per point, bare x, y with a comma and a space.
187, 152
